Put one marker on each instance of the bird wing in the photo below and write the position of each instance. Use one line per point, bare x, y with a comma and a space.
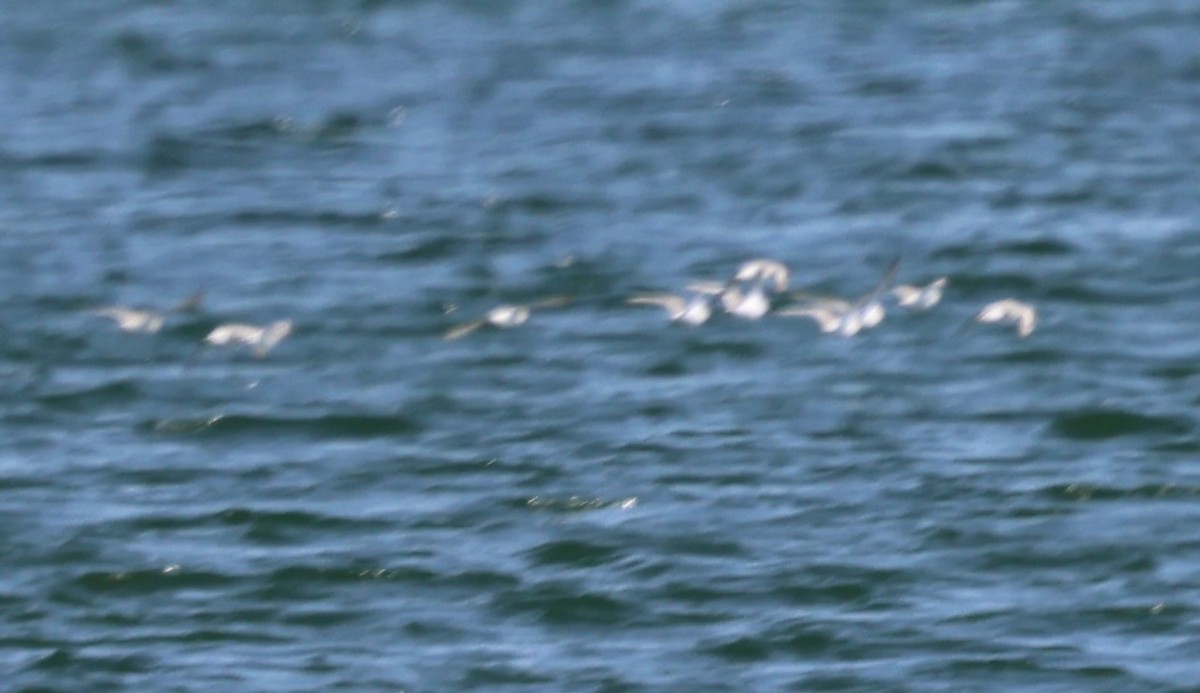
463, 329
674, 304
827, 320
552, 302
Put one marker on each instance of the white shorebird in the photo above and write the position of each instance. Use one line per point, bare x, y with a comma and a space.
764, 270
694, 309
146, 321
504, 316
1010, 311
847, 318
261, 338
920, 297
757, 276
132, 319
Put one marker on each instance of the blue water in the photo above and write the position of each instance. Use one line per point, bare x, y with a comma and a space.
598, 500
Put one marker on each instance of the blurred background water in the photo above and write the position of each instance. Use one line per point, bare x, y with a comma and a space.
598, 501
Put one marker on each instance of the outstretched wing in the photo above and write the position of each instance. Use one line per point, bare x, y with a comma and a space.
463, 330
552, 302
674, 304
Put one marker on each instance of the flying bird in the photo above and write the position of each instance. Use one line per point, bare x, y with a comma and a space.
693, 309
920, 297
1010, 311
844, 317
146, 321
745, 296
504, 316
261, 338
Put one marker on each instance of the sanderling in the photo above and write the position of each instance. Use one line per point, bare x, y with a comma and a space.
764, 270
504, 316
694, 309
147, 321
753, 303
847, 318
920, 297
261, 338
1010, 311
133, 320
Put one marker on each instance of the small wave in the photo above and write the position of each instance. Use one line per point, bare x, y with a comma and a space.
561, 604
330, 425
1103, 424
107, 393
146, 580
574, 504
572, 553
1098, 492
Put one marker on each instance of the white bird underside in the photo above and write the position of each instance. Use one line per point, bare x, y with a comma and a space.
261, 338
693, 311
505, 315
751, 305
920, 297
131, 320
846, 318
763, 270
1010, 311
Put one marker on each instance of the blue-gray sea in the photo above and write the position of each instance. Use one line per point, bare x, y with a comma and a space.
598, 500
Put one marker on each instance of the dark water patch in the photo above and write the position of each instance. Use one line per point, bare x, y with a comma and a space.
859, 593
931, 169
1032, 247
1110, 559
144, 581
160, 476
329, 129
545, 203
327, 426
67, 660
428, 249
323, 618
491, 676
1175, 371
793, 639
1022, 352
993, 284
251, 635
574, 554
991, 665
682, 479
322, 218
300, 520
1104, 424
558, 603
144, 54
105, 395
669, 368
1187, 445
1077, 492
81, 159
290, 582
881, 85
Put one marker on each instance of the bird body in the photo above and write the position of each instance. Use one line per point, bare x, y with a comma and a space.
132, 320
261, 338
920, 297
504, 316
745, 296
1010, 311
843, 317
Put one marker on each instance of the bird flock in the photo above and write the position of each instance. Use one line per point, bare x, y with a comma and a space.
750, 294
260, 338
758, 284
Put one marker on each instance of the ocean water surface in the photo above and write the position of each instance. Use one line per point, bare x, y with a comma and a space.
598, 500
